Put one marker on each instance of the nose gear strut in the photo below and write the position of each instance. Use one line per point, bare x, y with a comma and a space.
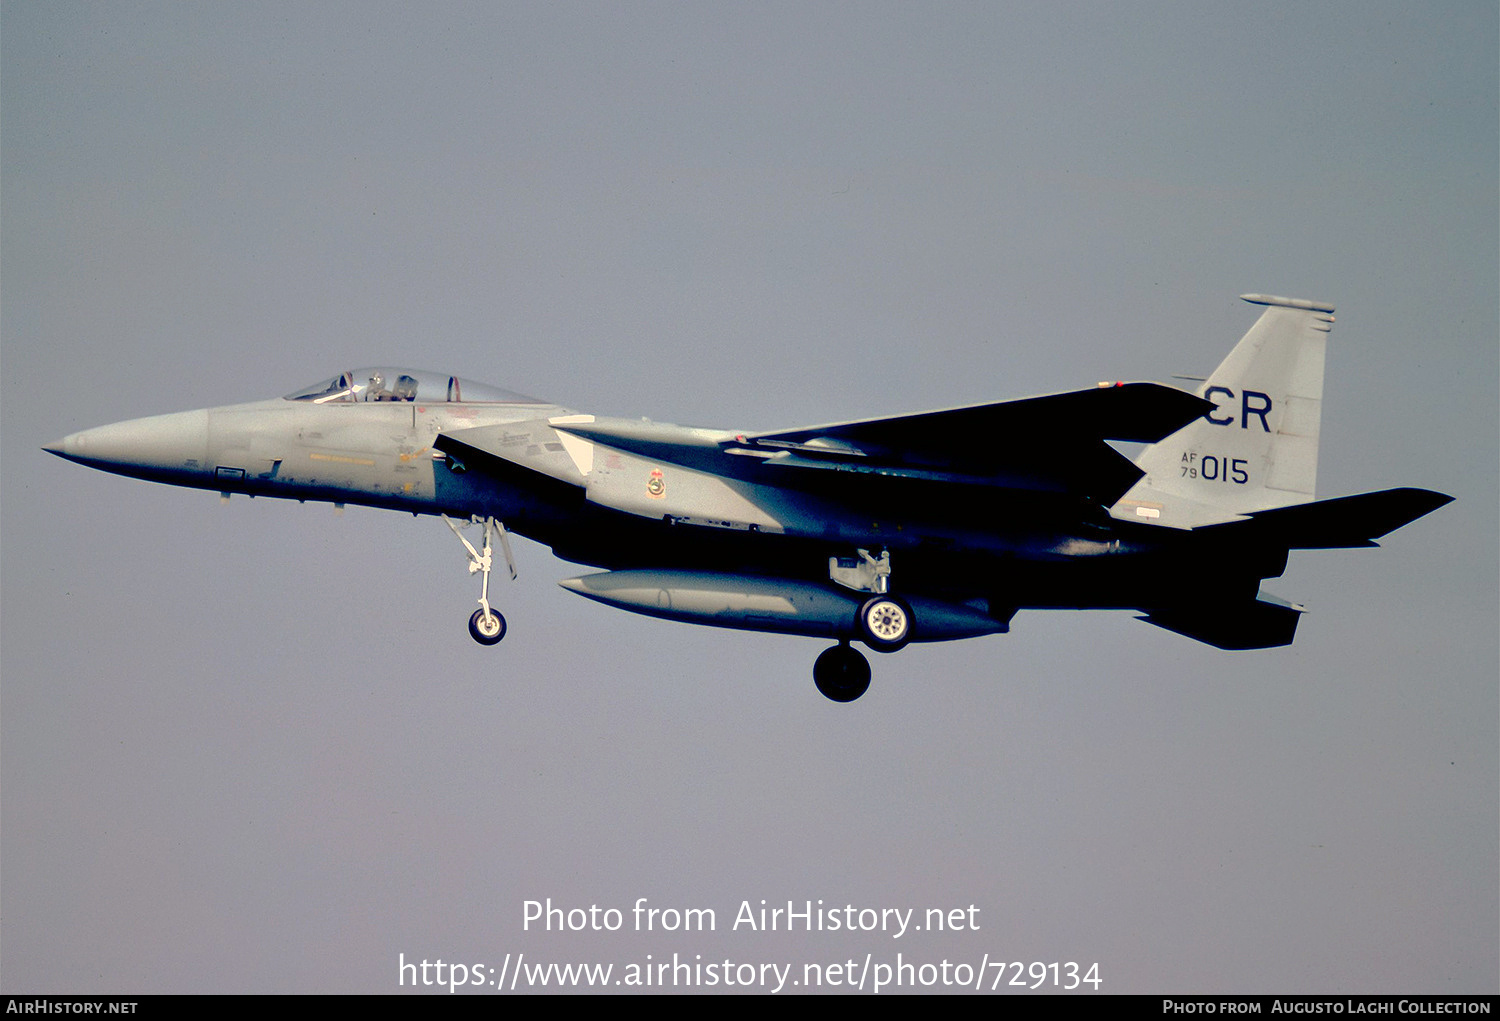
486, 625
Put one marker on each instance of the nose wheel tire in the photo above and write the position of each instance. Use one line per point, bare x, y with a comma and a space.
841, 673
487, 630
885, 623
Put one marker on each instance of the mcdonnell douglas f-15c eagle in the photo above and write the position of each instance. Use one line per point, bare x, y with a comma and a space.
922, 527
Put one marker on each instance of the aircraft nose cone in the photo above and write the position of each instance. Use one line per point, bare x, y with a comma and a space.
144, 447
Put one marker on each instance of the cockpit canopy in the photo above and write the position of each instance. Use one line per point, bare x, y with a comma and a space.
385, 383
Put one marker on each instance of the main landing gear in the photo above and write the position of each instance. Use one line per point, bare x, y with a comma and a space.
884, 623
486, 625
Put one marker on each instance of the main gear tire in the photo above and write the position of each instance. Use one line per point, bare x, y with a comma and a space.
842, 673
885, 623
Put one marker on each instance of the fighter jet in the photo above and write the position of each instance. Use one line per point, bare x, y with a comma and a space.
883, 531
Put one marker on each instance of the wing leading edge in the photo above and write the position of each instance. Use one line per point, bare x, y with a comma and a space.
1133, 412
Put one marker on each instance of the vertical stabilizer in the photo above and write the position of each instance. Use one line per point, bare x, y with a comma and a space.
1259, 448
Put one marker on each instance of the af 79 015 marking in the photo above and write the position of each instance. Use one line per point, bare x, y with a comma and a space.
1212, 468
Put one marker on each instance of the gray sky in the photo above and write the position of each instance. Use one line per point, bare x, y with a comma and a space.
250, 747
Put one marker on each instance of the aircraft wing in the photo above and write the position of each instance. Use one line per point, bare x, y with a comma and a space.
1054, 443
1134, 412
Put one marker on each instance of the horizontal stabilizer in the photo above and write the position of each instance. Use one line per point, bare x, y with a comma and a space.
1266, 623
1343, 522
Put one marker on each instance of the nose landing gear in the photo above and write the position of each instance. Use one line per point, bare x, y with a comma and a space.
486, 625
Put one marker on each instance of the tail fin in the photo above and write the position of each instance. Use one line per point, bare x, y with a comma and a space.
1259, 449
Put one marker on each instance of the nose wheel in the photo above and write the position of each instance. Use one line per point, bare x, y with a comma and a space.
487, 629
486, 625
